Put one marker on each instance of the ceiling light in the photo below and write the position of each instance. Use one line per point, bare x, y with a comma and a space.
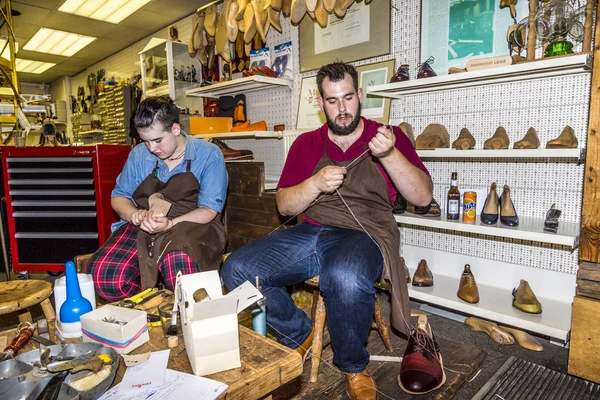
57, 42
33, 67
113, 11
6, 53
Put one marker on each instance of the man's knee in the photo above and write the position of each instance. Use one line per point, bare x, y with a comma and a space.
347, 282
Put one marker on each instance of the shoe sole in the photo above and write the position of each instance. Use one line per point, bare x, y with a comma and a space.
430, 390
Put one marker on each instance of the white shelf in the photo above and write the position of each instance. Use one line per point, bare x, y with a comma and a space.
545, 68
241, 85
249, 134
496, 304
271, 184
574, 154
528, 229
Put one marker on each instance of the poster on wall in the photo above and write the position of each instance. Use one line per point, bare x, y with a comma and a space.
351, 30
375, 107
454, 32
310, 115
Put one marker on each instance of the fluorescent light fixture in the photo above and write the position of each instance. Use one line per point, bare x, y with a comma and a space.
57, 42
113, 11
6, 53
33, 67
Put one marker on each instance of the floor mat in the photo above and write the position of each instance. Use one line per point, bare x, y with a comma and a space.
519, 379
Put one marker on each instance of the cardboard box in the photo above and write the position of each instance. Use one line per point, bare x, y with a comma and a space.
123, 338
204, 125
210, 327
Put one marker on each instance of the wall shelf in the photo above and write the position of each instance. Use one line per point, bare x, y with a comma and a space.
241, 85
249, 134
571, 154
496, 304
545, 68
528, 229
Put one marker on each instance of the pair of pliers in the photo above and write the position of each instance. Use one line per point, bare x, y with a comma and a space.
131, 302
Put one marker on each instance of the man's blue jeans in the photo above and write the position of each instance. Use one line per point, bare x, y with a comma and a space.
348, 263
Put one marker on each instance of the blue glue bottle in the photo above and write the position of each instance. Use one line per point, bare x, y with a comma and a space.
259, 314
74, 306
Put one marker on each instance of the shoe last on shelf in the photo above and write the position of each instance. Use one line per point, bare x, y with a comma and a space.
529, 141
423, 277
465, 140
525, 300
425, 70
500, 140
566, 140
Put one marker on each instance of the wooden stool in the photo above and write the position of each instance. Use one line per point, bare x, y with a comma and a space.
81, 262
20, 295
318, 316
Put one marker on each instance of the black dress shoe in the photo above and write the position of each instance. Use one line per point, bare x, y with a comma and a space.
508, 214
489, 214
432, 210
399, 204
401, 75
551, 222
425, 70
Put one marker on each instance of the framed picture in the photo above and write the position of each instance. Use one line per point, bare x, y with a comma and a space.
375, 107
453, 32
363, 33
310, 115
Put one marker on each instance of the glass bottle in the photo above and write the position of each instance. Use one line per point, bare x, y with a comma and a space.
453, 201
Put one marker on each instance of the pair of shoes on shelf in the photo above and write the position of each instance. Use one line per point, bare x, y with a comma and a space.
508, 214
504, 334
401, 74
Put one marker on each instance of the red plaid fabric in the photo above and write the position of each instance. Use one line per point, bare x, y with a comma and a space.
116, 271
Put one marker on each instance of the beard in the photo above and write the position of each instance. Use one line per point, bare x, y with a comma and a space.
344, 130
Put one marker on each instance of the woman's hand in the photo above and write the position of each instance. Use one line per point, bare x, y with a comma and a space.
154, 223
138, 216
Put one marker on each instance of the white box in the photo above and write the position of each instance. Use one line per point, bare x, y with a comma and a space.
210, 328
123, 338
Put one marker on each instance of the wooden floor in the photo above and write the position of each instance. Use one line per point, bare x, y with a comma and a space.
332, 386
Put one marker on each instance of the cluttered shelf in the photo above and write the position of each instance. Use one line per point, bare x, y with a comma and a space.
545, 68
528, 229
241, 85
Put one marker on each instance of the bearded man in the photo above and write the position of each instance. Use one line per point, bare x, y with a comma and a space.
344, 177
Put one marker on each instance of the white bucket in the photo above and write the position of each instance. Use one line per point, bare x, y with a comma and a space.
86, 283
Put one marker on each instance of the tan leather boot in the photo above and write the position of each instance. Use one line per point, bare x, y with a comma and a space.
524, 299
423, 276
408, 131
493, 331
566, 140
500, 140
529, 141
465, 140
434, 136
467, 288
524, 339
361, 386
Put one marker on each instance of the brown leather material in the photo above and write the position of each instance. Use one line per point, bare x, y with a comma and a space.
465, 140
529, 141
366, 194
467, 288
525, 300
500, 140
524, 339
304, 348
566, 140
434, 136
499, 336
422, 369
422, 276
361, 386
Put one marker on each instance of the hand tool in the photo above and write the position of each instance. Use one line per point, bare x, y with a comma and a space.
42, 340
132, 301
151, 301
24, 332
52, 389
92, 362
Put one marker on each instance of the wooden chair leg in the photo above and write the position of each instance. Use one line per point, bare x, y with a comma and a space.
313, 311
48, 310
25, 315
317, 347
382, 326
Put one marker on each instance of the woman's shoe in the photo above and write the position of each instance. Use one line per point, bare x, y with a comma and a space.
508, 214
489, 214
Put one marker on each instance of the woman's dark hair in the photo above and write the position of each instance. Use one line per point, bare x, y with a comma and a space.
153, 110
336, 71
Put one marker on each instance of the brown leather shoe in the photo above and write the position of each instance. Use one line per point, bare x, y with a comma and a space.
529, 141
467, 289
500, 140
432, 210
433, 136
304, 348
465, 140
361, 386
524, 299
493, 331
231, 154
423, 276
566, 140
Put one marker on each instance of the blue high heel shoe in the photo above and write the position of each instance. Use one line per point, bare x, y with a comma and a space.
489, 214
508, 214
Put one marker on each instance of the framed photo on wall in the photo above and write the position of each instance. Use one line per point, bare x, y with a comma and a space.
375, 107
310, 115
454, 32
363, 33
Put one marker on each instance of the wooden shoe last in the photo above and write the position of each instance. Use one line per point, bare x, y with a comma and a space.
524, 339
566, 140
434, 136
524, 299
467, 288
422, 276
529, 141
465, 140
500, 140
493, 331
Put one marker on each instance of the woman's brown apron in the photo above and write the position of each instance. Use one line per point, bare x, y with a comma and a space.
365, 191
204, 243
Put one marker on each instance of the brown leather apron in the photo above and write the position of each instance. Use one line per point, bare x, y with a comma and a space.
365, 191
204, 243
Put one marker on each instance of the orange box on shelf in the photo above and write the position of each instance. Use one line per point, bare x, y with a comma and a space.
202, 125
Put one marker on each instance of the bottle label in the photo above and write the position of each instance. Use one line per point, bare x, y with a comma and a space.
453, 207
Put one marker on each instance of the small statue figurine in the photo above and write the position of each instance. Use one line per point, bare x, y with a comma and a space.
194, 73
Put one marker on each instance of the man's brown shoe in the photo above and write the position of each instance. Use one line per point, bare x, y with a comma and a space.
361, 386
304, 348
467, 289
423, 276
